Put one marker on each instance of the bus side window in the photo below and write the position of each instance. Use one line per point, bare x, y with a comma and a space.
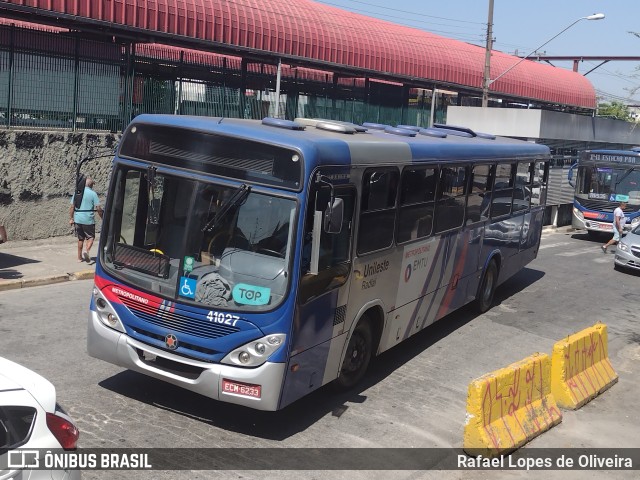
378, 209
523, 187
417, 194
452, 190
479, 194
335, 248
502, 190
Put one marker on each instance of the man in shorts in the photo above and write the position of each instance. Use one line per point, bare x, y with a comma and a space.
85, 221
618, 226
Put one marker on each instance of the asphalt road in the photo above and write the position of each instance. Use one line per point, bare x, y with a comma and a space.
413, 396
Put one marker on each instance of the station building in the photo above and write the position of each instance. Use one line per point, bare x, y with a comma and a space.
91, 65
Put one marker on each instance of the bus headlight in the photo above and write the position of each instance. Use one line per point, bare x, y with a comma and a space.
578, 213
105, 311
256, 352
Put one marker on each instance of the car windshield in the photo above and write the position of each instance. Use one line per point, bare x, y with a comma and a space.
192, 241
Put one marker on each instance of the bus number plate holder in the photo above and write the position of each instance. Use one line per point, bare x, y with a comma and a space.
244, 389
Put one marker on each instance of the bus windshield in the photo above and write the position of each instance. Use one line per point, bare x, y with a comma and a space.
199, 242
605, 182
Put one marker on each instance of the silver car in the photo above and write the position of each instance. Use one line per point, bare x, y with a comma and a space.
628, 250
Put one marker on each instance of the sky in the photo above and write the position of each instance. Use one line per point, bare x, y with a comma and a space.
523, 26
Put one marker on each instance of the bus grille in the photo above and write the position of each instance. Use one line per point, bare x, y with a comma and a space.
190, 346
603, 205
177, 322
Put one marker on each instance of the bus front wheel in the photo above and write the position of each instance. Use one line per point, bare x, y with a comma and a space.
357, 356
487, 287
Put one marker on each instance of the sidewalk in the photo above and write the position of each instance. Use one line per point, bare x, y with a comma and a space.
28, 263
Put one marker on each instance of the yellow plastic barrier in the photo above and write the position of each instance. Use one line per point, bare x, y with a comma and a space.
509, 407
580, 367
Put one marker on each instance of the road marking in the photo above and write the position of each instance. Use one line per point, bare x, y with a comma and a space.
595, 251
603, 259
551, 245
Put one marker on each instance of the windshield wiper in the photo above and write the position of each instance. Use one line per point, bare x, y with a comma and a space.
236, 199
624, 175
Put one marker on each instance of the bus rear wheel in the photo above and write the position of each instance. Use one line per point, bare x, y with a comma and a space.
487, 287
357, 357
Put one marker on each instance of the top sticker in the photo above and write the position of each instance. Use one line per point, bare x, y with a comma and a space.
245, 294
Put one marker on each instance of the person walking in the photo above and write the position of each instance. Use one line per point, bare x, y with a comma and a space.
84, 220
618, 226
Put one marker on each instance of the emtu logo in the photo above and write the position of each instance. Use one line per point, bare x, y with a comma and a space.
407, 273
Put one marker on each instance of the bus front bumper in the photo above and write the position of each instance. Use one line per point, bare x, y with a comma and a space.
588, 224
201, 377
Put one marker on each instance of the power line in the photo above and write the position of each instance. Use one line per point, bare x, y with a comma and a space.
404, 11
413, 21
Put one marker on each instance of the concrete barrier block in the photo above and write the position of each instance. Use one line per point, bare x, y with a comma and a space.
580, 367
509, 407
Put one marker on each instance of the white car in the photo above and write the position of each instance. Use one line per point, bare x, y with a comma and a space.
30, 418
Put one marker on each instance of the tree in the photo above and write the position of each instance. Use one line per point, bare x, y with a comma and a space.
614, 110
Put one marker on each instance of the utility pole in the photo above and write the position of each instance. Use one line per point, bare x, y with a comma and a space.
486, 77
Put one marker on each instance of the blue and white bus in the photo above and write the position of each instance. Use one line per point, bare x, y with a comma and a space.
603, 179
255, 261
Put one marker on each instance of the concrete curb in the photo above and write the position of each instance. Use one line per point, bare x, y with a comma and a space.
563, 229
47, 280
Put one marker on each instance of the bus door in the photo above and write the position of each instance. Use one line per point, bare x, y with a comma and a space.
323, 295
505, 228
524, 205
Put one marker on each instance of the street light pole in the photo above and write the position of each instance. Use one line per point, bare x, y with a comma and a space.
488, 82
487, 57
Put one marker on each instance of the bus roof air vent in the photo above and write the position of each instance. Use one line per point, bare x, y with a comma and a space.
488, 136
453, 130
335, 127
432, 132
375, 126
314, 122
280, 123
400, 131
409, 127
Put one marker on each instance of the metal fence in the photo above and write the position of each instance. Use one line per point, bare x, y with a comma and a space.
64, 80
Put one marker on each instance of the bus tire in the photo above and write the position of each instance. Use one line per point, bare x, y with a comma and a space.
487, 287
357, 357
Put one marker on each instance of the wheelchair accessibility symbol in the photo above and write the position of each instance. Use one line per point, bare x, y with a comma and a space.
187, 287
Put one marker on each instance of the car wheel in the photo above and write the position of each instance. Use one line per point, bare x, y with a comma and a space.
357, 357
487, 289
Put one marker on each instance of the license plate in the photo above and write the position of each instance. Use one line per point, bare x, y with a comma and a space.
605, 226
244, 389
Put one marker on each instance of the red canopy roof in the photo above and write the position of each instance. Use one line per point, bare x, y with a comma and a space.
311, 30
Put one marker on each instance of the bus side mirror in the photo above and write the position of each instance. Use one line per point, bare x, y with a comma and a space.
333, 216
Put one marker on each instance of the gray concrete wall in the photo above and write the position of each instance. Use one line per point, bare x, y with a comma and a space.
37, 178
542, 124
